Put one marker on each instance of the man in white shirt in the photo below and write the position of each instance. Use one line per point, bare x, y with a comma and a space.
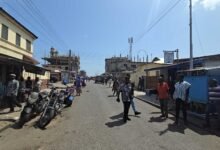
181, 95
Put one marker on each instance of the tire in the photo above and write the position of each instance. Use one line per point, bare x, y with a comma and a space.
46, 119
25, 117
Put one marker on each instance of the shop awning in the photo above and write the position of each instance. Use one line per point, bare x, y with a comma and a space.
26, 65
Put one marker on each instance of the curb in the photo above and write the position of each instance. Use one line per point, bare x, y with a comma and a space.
156, 105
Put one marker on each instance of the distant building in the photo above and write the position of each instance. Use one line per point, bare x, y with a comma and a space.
62, 63
16, 51
118, 66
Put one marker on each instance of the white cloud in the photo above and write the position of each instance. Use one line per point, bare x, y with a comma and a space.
207, 4
210, 4
194, 2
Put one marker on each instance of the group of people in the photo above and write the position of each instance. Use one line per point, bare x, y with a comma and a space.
15, 89
181, 94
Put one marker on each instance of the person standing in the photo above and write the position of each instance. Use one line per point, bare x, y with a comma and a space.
125, 90
163, 96
78, 86
28, 83
29, 86
21, 92
142, 83
115, 86
132, 100
37, 85
181, 95
12, 92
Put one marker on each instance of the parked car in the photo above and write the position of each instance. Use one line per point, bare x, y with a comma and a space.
99, 79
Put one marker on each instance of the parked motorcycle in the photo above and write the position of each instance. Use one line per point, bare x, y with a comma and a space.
52, 108
68, 96
34, 106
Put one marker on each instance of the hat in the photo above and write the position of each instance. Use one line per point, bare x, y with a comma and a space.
12, 75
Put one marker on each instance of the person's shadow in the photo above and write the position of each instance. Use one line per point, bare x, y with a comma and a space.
173, 128
156, 119
118, 121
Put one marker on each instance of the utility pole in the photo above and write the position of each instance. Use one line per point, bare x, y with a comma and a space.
190, 34
130, 41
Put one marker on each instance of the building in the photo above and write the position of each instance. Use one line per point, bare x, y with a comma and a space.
16, 51
169, 71
116, 66
62, 65
140, 71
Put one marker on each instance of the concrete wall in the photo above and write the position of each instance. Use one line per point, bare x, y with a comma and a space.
9, 47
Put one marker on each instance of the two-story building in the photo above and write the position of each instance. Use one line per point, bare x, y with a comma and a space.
16, 51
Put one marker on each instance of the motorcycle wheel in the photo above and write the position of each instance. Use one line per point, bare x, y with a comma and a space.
46, 119
25, 117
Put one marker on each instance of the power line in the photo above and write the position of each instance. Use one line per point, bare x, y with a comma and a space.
159, 19
50, 27
18, 13
165, 12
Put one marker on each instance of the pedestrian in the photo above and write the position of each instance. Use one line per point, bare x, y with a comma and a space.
163, 96
110, 82
12, 92
139, 84
115, 86
29, 83
132, 100
213, 102
21, 91
125, 90
37, 85
142, 83
181, 95
78, 86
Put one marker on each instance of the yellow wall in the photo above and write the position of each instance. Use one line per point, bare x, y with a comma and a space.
140, 71
11, 43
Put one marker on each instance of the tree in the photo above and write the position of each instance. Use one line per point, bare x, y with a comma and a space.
155, 59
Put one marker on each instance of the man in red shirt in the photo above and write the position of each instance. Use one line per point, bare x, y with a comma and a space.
163, 95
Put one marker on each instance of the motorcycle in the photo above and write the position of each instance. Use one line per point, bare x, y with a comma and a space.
52, 108
34, 106
68, 96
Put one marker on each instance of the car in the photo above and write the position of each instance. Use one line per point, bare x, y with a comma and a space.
99, 79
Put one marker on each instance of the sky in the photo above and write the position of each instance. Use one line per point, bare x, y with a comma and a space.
99, 29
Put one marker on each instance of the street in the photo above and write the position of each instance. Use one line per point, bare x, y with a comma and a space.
95, 122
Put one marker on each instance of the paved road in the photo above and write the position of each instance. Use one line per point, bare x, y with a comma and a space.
94, 123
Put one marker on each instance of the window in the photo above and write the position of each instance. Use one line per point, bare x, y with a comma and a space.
4, 32
18, 39
28, 45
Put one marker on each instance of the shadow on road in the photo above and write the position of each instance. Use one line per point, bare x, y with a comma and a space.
173, 128
117, 116
118, 121
111, 95
9, 112
155, 112
115, 123
9, 120
156, 119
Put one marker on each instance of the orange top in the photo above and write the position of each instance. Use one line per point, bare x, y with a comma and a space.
162, 90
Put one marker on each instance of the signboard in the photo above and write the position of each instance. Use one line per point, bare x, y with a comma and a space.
168, 57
